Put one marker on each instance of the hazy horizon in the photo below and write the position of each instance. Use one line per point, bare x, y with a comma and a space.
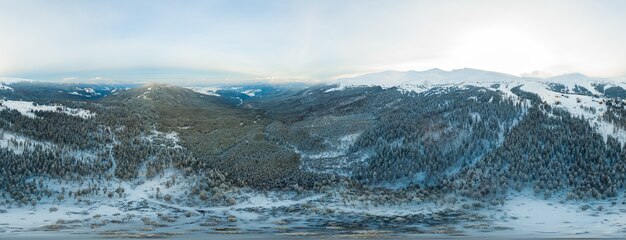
169, 76
298, 41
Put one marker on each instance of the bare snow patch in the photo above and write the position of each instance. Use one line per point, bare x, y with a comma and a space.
28, 109
89, 90
18, 143
211, 91
169, 139
251, 92
531, 216
588, 107
5, 87
85, 92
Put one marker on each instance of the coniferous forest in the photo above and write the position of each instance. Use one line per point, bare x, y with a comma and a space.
160, 154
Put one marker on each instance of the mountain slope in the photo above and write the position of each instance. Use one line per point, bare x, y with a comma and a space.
579, 94
449, 132
219, 134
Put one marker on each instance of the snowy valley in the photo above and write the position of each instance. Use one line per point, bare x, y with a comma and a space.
393, 154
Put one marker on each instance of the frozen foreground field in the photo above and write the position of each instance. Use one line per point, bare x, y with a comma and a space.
286, 215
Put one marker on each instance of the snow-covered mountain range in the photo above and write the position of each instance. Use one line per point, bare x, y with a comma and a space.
419, 81
573, 92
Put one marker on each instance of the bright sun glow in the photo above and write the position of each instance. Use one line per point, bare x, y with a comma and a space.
503, 48
307, 41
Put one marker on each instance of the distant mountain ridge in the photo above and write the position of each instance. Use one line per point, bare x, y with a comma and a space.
433, 76
467, 76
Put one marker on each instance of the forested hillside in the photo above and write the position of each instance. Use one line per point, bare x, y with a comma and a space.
343, 146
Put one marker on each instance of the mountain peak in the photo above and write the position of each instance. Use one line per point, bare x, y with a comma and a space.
393, 78
571, 75
157, 92
433, 70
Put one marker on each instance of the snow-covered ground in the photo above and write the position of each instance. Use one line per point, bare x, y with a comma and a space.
576, 104
27, 108
139, 211
340, 149
86, 92
533, 216
335, 160
211, 91
18, 143
169, 139
251, 92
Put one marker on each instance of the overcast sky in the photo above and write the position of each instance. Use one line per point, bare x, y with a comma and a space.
220, 41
